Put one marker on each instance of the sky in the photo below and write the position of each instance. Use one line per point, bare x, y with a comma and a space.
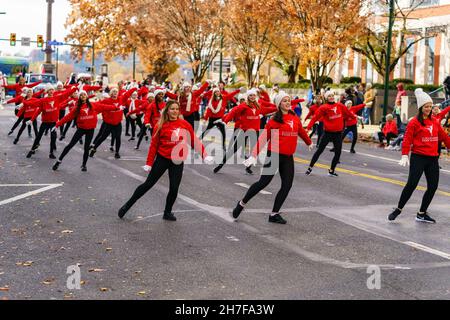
28, 18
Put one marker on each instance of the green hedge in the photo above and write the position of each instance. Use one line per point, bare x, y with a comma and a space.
351, 80
404, 81
409, 87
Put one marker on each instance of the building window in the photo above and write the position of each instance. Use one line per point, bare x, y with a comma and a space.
430, 47
369, 73
409, 60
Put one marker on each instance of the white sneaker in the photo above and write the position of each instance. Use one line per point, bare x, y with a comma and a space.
397, 148
388, 148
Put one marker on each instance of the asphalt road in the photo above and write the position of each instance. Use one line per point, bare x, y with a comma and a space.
337, 229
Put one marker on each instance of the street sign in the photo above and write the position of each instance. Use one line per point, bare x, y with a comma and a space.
25, 41
55, 43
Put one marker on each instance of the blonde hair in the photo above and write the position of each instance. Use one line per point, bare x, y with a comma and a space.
165, 115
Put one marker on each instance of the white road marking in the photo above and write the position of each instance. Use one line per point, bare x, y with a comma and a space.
232, 238
161, 213
142, 159
28, 194
198, 173
427, 249
246, 186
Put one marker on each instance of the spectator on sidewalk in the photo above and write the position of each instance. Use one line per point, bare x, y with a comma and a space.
369, 96
389, 131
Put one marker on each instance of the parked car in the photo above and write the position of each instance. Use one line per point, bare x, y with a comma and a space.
44, 77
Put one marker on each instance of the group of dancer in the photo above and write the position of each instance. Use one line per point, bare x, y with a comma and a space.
172, 118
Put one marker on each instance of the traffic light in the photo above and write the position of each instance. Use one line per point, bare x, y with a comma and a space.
40, 41
12, 39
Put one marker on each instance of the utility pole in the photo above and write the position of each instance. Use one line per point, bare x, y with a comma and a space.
388, 58
49, 68
221, 55
134, 63
93, 57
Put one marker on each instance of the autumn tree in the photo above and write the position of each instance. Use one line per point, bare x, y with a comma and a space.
250, 32
373, 41
321, 30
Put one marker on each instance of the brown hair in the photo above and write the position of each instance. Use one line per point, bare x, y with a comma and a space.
165, 115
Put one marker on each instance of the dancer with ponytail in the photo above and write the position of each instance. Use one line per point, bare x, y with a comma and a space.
26, 111
421, 138
85, 114
168, 150
17, 101
281, 133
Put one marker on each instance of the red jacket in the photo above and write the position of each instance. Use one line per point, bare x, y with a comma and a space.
171, 142
87, 118
115, 117
249, 117
264, 95
354, 110
390, 127
50, 106
423, 140
183, 101
29, 108
214, 103
333, 116
18, 87
312, 111
282, 136
153, 114
443, 113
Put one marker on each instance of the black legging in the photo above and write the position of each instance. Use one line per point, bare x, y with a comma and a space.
388, 137
100, 132
76, 137
127, 122
133, 123
192, 119
236, 143
18, 121
142, 134
219, 126
160, 166
45, 126
68, 125
115, 130
22, 127
354, 131
418, 165
318, 127
287, 171
62, 113
336, 138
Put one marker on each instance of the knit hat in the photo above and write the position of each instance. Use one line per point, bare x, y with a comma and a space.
327, 94
279, 97
49, 87
158, 91
422, 97
252, 91
150, 94
186, 84
216, 89
60, 84
82, 92
262, 87
242, 96
348, 103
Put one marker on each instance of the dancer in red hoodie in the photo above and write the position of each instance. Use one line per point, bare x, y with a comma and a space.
85, 114
18, 100
421, 138
112, 121
281, 133
26, 112
50, 109
19, 86
168, 150
333, 115
216, 109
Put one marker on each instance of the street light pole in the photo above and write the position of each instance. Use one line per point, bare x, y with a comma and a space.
48, 48
388, 58
221, 55
134, 63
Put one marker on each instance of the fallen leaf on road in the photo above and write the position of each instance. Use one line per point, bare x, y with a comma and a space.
104, 289
5, 288
67, 231
82, 282
108, 249
96, 270
48, 281
141, 293
25, 264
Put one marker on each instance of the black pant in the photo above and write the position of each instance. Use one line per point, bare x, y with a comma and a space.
160, 166
287, 171
62, 113
336, 138
418, 165
67, 126
22, 127
45, 126
142, 133
219, 126
16, 124
133, 123
76, 137
238, 141
388, 137
127, 122
115, 130
354, 131
100, 132
318, 127
192, 119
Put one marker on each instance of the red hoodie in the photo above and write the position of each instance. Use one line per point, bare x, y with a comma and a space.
282, 136
154, 113
29, 108
18, 87
249, 117
115, 117
390, 127
214, 103
354, 110
171, 142
400, 93
424, 139
86, 118
333, 116
441, 115
312, 111
50, 106
183, 100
